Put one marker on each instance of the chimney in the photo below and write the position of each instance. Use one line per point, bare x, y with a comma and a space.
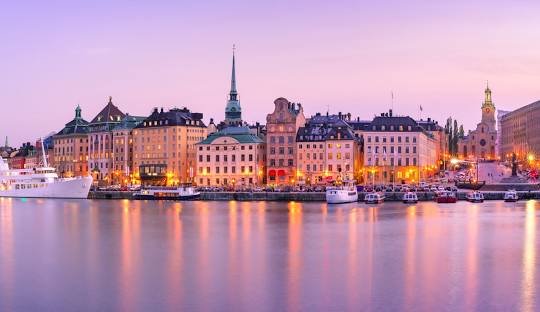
390, 113
155, 110
161, 110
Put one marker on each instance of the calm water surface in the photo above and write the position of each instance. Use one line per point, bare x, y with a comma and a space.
69, 255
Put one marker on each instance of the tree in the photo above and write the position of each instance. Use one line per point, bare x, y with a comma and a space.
461, 132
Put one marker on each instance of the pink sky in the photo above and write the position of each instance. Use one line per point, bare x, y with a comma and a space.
346, 55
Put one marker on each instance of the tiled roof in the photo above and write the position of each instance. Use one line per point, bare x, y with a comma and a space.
240, 134
129, 122
110, 113
76, 126
173, 117
321, 128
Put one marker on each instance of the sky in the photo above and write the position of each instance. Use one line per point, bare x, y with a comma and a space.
347, 56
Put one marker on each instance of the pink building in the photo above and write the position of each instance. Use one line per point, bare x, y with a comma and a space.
282, 126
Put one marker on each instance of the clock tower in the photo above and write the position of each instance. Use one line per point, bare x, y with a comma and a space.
488, 110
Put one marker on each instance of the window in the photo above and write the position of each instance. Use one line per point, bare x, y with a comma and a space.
290, 162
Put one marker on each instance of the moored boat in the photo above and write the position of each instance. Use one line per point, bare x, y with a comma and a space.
374, 198
346, 193
511, 196
446, 197
41, 182
410, 198
475, 197
167, 193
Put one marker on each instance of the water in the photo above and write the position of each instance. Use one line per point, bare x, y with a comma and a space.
69, 255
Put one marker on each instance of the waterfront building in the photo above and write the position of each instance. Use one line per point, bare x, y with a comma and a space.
71, 147
164, 146
480, 143
500, 114
100, 135
397, 150
327, 150
282, 126
520, 133
231, 157
441, 139
123, 149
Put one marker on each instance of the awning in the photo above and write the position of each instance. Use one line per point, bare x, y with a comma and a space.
281, 173
272, 173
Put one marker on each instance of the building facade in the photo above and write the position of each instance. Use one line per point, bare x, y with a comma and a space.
520, 132
164, 150
71, 148
480, 143
281, 126
327, 150
398, 150
100, 137
123, 149
231, 157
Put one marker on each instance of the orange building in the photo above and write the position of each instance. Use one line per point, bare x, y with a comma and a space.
164, 146
71, 148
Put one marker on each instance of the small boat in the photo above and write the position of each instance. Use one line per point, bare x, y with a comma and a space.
346, 193
446, 197
410, 198
511, 196
475, 197
168, 193
374, 198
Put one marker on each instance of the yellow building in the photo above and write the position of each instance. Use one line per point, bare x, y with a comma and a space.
164, 146
398, 150
71, 148
231, 157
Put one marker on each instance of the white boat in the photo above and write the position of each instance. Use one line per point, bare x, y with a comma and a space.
345, 193
374, 198
410, 198
40, 182
186, 192
511, 196
475, 197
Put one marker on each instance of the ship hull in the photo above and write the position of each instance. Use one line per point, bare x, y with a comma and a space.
62, 188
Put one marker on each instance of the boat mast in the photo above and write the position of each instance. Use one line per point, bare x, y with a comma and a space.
43, 153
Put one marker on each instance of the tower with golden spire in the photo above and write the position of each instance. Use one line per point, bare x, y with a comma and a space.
488, 109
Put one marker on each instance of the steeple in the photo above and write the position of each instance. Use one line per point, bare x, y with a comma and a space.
487, 98
233, 94
78, 112
6, 144
233, 111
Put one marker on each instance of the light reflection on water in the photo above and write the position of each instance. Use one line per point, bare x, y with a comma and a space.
136, 255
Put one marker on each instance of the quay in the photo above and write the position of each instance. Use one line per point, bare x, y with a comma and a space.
309, 196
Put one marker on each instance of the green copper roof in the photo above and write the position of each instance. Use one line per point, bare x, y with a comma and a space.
240, 134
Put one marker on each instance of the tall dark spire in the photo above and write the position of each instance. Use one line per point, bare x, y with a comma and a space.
233, 94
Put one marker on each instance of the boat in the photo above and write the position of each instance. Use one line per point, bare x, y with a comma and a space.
410, 198
511, 196
41, 182
374, 198
475, 197
446, 197
346, 193
186, 192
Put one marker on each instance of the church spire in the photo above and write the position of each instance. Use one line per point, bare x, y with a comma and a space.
233, 94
